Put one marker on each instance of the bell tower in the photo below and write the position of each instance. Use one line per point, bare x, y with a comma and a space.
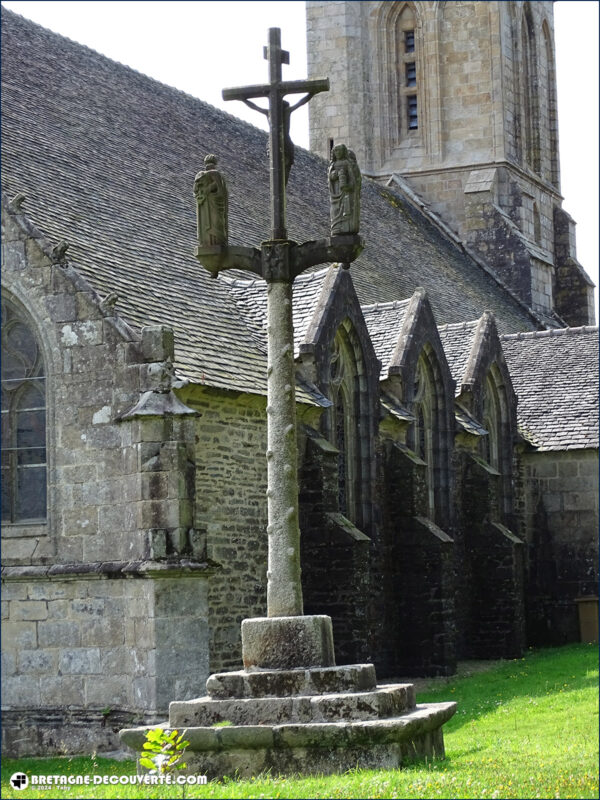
458, 100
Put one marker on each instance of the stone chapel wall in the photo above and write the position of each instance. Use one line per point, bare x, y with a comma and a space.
231, 513
561, 523
93, 624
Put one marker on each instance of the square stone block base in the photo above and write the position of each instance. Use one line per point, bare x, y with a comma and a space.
287, 642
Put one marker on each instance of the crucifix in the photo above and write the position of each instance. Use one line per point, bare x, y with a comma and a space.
278, 261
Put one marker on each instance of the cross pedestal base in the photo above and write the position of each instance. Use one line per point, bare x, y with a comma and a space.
287, 642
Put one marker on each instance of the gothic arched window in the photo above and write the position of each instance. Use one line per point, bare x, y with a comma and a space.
346, 423
406, 61
491, 422
529, 93
517, 88
23, 420
537, 224
497, 450
551, 169
423, 427
342, 446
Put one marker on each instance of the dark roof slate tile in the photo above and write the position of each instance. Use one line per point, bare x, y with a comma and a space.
251, 299
384, 323
457, 341
554, 374
107, 158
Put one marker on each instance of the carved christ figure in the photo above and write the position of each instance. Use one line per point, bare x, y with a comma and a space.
211, 196
344, 191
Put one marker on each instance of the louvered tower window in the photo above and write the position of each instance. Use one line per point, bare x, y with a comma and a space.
406, 64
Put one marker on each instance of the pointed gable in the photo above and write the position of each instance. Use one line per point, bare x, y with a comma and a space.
471, 348
485, 396
335, 304
384, 321
457, 341
401, 331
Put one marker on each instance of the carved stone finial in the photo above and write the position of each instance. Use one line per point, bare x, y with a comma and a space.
59, 250
210, 191
344, 191
17, 201
166, 377
109, 302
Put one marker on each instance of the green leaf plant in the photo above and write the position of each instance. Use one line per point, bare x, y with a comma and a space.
163, 752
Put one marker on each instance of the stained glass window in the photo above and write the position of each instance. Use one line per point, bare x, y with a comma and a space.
23, 421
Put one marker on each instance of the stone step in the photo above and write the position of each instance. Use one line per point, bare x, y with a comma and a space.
285, 683
311, 748
379, 703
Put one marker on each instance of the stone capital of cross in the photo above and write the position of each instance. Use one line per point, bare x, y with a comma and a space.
278, 115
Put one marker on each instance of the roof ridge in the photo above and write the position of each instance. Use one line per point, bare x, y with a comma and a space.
458, 325
306, 277
234, 283
384, 306
552, 332
246, 283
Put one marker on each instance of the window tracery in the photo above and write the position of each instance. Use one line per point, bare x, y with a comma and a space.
529, 93
423, 426
23, 445
491, 422
346, 387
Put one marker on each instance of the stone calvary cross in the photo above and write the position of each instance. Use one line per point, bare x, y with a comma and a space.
269, 642
291, 709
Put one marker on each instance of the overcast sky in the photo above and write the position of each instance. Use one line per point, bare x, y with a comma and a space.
204, 46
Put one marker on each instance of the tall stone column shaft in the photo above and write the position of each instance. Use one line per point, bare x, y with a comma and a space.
284, 588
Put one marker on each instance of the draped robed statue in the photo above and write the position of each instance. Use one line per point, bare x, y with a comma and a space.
344, 191
211, 196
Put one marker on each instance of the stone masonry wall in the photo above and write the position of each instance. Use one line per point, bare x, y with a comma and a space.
412, 575
79, 655
574, 290
561, 523
92, 369
231, 513
83, 656
81, 634
335, 554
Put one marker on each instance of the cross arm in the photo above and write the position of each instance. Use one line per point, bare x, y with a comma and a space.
285, 87
341, 249
220, 257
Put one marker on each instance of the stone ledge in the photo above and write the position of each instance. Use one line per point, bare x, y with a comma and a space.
312, 748
104, 569
285, 683
425, 717
379, 703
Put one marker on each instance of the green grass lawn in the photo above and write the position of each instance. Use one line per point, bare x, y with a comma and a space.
527, 728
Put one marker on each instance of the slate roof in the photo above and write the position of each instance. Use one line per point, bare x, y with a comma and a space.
384, 322
107, 158
554, 374
251, 299
457, 341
